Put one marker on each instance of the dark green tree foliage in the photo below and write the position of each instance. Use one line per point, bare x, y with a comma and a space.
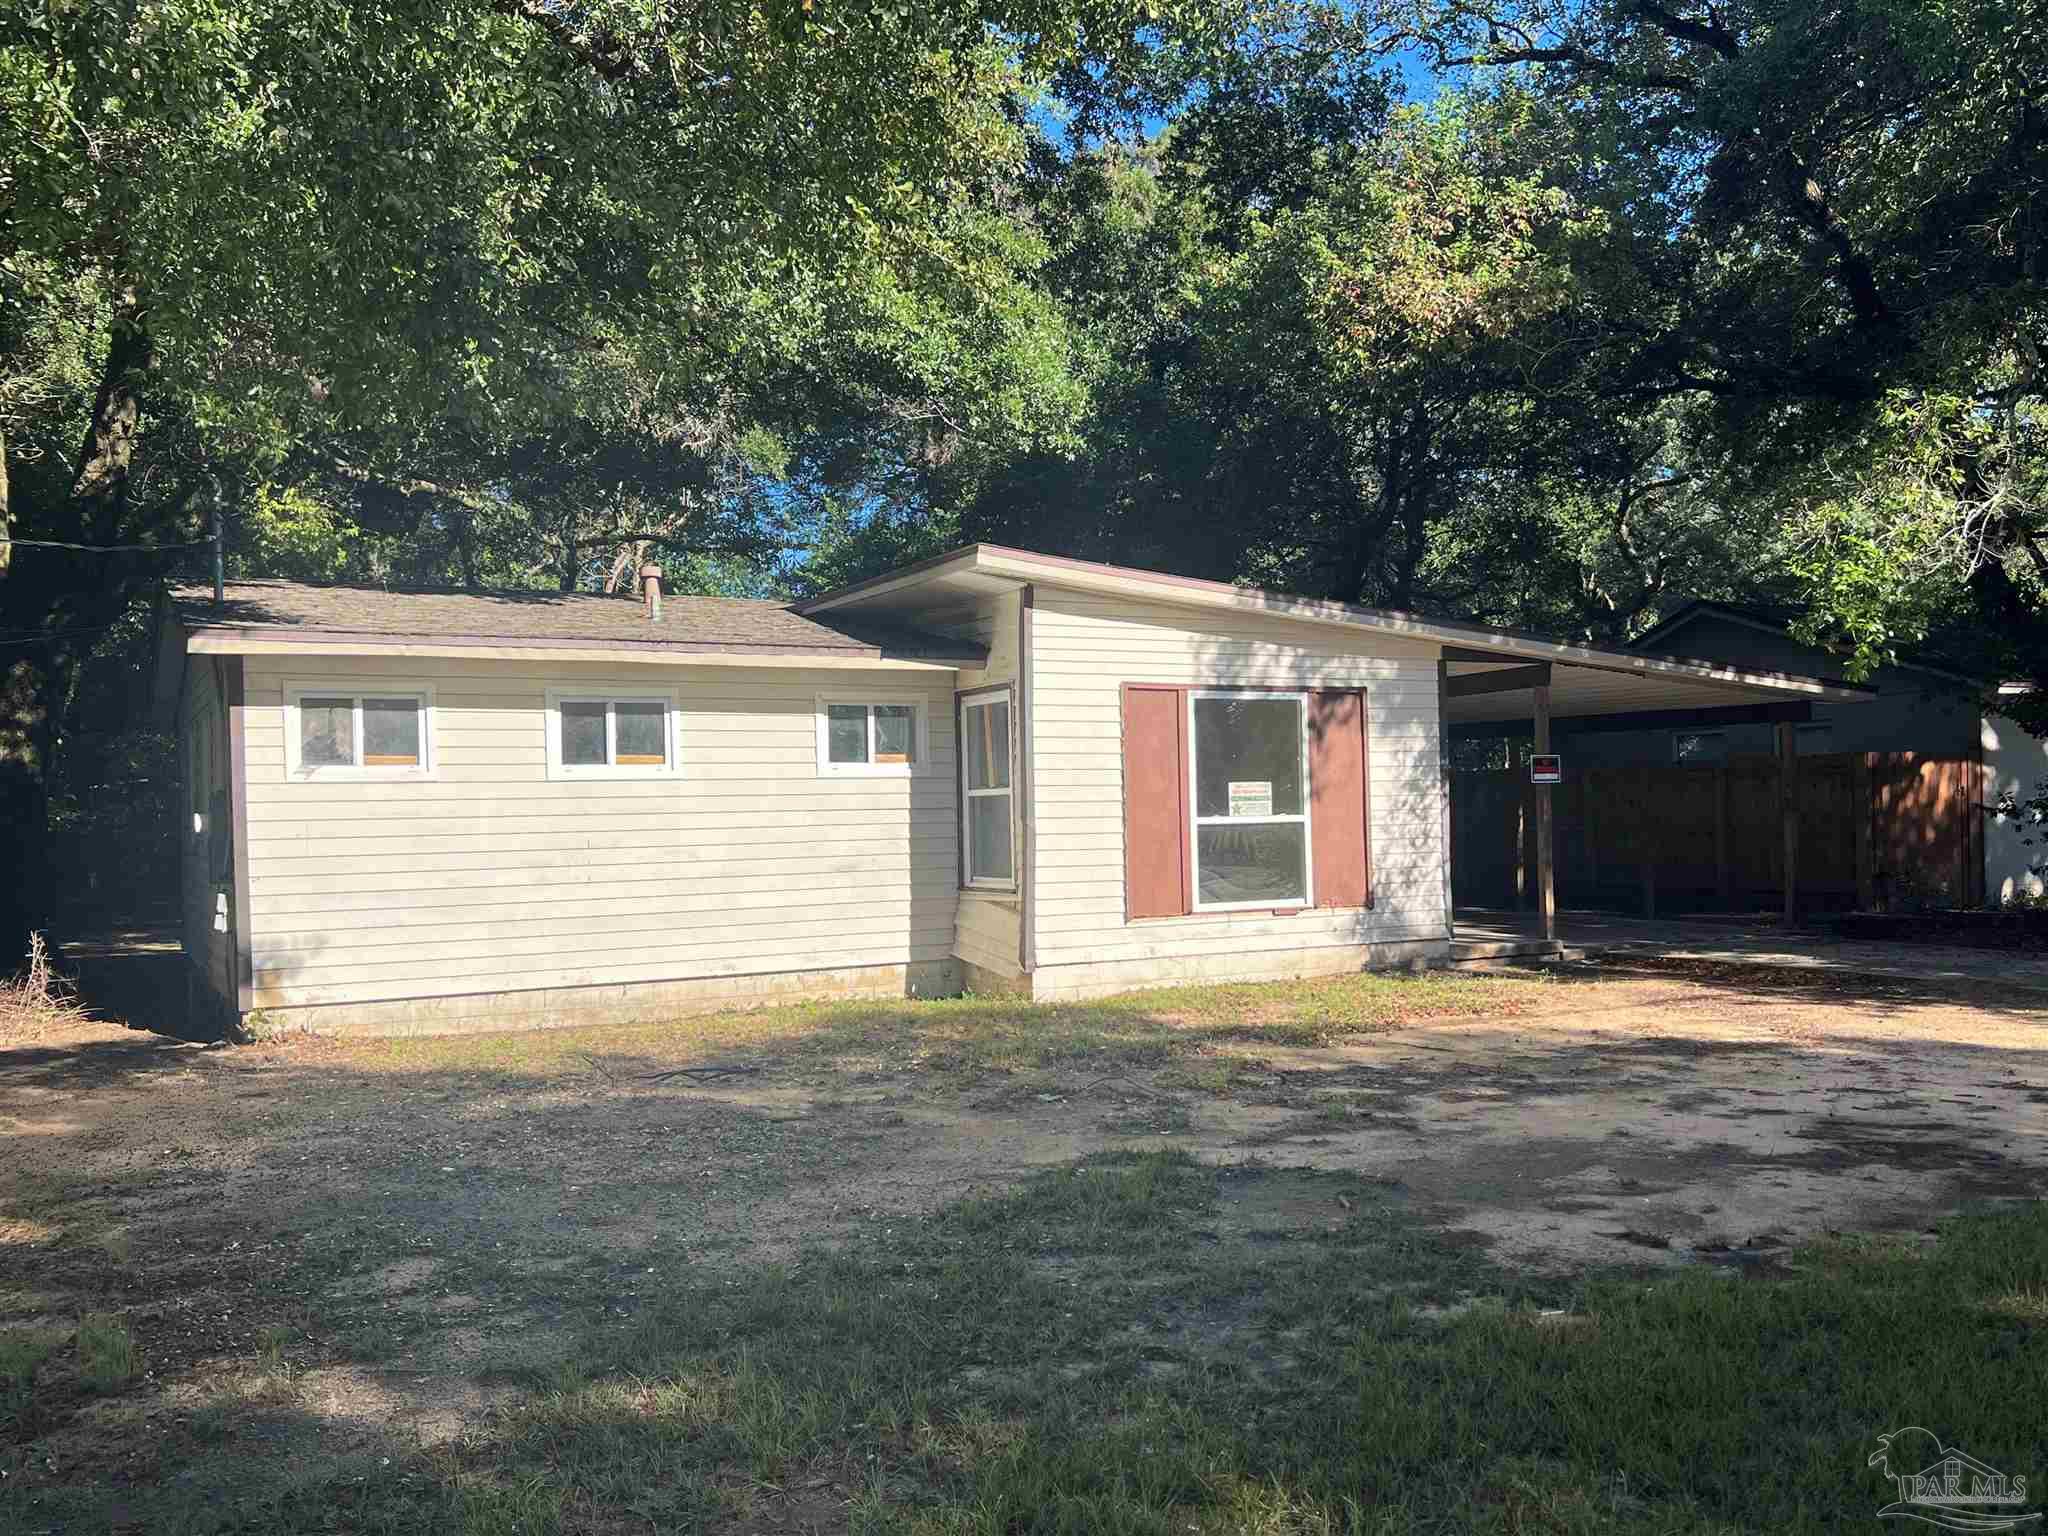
1341, 361
1773, 329
493, 290
1827, 240
1745, 300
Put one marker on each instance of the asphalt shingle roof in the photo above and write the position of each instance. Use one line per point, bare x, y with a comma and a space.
709, 624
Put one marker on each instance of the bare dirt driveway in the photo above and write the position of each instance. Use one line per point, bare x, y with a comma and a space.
328, 1255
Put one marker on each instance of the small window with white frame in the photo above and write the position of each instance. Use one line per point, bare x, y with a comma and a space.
987, 815
612, 733
1251, 802
874, 736
1699, 746
347, 731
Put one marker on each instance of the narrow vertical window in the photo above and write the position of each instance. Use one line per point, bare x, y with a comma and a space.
987, 825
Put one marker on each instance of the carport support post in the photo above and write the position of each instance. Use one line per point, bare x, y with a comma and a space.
1788, 803
1546, 870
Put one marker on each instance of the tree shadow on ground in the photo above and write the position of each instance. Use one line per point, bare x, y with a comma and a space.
1105, 1348
776, 1297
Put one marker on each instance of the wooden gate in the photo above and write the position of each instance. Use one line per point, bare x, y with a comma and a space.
1875, 830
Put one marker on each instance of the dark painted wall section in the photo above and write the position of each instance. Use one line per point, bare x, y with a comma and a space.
1914, 711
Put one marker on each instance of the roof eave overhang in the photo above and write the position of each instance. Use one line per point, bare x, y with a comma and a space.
980, 560
231, 641
1186, 591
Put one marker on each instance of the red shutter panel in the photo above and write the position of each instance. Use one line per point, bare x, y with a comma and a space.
1155, 801
1340, 790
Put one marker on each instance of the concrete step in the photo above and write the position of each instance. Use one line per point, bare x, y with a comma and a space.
1479, 954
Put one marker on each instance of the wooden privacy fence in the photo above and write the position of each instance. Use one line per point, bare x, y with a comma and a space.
1877, 830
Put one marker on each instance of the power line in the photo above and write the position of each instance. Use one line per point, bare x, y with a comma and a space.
48, 634
37, 634
96, 549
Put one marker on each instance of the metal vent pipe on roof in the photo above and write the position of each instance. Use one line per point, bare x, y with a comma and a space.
650, 588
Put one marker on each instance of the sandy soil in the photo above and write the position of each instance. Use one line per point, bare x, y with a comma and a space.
418, 1236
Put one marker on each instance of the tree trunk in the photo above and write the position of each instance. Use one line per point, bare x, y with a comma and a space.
26, 893
73, 592
6, 514
465, 547
100, 487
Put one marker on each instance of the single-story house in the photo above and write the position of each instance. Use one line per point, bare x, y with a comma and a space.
2015, 769
415, 810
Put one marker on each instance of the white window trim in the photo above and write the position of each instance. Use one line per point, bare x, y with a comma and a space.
358, 689
1196, 821
606, 693
920, 736
982, 697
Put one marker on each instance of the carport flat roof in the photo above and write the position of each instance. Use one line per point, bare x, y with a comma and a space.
1582, 691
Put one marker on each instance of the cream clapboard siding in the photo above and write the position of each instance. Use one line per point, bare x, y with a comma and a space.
492, 878
989, 927
1085, 648
204, 740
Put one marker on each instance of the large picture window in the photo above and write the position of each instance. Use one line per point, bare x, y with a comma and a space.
603, 733
1249, 775
1240, 799
987, 828
346, 732
868, 736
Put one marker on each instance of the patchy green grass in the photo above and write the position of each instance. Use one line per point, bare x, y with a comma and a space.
975, 1035
107, 1360
1135, 1343
1114, 1349
36, 1372
22, 1353
1086, 1356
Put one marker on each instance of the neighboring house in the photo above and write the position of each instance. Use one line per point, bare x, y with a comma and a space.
1680, 805
1921, 707
997, 770
2015, 764
1916, 705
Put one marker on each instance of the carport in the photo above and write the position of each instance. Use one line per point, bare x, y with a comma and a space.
1521, 688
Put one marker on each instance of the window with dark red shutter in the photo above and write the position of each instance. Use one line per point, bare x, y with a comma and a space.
1160, 814
1155, 801
1340, 789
